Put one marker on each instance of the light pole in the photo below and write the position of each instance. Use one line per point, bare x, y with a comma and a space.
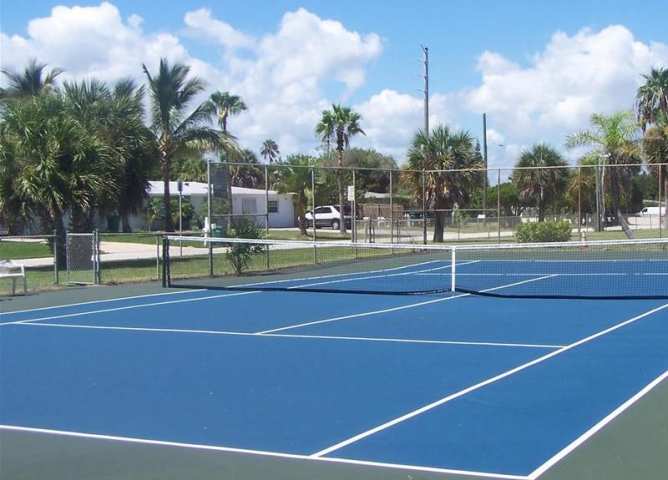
484, 157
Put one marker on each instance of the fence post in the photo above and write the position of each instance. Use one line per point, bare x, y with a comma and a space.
498, 204
97, 267
55, 258
157, 256
165, 261
424, 208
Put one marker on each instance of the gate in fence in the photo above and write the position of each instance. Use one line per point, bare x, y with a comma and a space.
83, 258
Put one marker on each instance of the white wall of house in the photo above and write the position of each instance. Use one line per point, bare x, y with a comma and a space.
249, 201
253, 202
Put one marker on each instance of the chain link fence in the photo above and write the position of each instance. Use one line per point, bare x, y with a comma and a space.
398, 205
389, 205
93, 258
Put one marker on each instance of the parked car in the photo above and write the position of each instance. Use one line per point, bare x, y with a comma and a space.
328, 216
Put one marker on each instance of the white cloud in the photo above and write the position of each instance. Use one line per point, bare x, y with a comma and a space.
307, 47
390, 120
283, 83
572, 78
91, 41
201, 24
288, 76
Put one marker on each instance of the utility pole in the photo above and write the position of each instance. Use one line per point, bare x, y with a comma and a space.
425, 61
425, 76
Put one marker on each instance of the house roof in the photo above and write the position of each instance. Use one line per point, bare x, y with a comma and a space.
200, 188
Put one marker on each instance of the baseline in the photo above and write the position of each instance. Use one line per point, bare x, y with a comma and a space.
264, 453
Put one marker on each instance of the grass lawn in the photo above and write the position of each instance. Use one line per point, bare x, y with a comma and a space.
17, 249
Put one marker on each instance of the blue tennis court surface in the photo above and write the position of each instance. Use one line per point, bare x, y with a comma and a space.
440, 383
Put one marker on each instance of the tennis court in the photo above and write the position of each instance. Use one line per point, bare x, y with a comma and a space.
250, 383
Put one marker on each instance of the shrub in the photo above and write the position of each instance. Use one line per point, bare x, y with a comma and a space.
238, 254
553, 231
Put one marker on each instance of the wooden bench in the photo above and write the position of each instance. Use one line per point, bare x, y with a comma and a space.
14, 271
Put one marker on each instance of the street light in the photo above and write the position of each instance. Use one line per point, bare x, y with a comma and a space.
484, 182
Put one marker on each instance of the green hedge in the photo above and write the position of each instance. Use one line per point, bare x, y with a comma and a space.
537, 232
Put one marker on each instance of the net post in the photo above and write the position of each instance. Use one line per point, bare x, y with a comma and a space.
165, 263
453, 259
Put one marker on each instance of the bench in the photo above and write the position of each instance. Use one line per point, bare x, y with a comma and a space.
14, 271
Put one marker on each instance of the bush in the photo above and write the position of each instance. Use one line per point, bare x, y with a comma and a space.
553, 231
155, 213
239, 254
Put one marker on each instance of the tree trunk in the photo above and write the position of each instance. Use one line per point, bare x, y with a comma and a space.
665, 196
50, 224
614, 190
541, 211
342, 223
301, 212
166, 173
439, 217
125, 222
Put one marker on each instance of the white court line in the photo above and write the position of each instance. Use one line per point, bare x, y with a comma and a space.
338, 275
478, 386
394, 309
358, 315
356, 279
518, 283
287, 335
292, 456
596, 428
67, 305
128, 307
416, 273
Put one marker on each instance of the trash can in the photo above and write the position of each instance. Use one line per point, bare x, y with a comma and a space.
218, 232
113, 223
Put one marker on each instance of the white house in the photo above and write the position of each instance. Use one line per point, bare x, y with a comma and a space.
247, 201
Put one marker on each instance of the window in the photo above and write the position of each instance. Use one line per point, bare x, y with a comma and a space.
272, 206
248, 206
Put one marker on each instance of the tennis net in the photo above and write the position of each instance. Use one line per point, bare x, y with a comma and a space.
591, 270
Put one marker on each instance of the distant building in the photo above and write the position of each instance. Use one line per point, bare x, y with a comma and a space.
259, 204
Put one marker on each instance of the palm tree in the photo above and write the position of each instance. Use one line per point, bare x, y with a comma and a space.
614, 138
90, 103
270, 151
33, 81
581, 191
655, 149
135, 147
541, 176
176, 132
340, 123
224, 105
294, 176
652, 110
245, 170
51, 156
451, 170
652, 97
190, 168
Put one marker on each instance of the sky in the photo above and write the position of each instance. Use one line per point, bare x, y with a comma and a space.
537, 69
